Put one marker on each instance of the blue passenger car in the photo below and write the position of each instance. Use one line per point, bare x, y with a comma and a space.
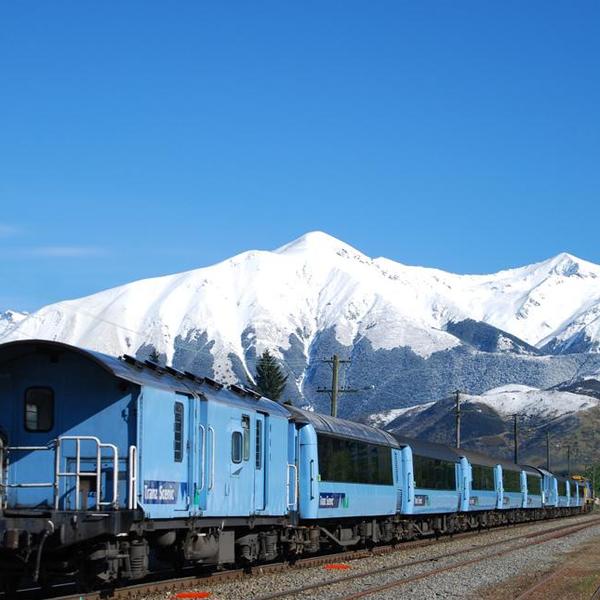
564, 491
346, 469
549, 488
434, 476
533, 484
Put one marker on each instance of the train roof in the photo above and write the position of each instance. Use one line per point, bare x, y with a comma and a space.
146, 373
531, 470
429, 449
342, 427
477, 458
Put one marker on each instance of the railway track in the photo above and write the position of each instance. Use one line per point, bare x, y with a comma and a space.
546, 535
183, 584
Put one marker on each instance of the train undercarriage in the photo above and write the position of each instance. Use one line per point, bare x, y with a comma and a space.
105, 549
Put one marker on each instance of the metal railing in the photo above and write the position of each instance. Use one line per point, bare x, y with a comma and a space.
97, 473
78, 473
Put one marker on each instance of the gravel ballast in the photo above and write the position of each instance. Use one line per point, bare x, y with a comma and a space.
468, 581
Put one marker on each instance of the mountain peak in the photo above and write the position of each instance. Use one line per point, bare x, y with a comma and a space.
318, 241
568, 265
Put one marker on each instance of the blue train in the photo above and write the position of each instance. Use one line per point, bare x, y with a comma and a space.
110, 466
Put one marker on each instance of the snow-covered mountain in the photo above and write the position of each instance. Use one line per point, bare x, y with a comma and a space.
411, 331
9, 319
507, 400
570, 419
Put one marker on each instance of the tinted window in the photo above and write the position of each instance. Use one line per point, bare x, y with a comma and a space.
246, 430
434, 474
178, 433
512, 481
258, 444
533, 485
483, 478
236, 447
352, 461
39, 409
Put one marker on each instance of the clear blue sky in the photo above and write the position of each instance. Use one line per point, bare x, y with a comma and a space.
145, 138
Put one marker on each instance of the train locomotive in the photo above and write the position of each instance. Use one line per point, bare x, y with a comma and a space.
110, 466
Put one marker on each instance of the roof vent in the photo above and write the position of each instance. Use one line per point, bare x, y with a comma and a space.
174, 372
253, 393
213, 383
244, 391
134, 362
154, 366
238, 389
193, 377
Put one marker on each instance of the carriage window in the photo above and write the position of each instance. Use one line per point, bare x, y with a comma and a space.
434, 473
352, 461
246, 430
483, 478
258, 444
236, 447
39, 409
533, 484
512, 481
178, 433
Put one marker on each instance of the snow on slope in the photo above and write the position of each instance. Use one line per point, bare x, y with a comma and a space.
535, 303
313, 284
524, 400
9, 319
507, 400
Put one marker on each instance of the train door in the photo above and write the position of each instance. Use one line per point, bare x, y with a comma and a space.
201, 455
261, 436
165, 422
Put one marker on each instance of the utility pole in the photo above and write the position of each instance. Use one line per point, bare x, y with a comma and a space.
547, 450
516, 437
335, 390
457, 410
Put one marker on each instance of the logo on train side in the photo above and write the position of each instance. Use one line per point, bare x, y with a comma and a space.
333, 500
161, 492
421, 500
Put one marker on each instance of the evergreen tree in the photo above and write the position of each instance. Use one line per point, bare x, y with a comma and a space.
270, 380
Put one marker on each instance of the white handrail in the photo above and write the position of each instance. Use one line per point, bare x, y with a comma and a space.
211, 481
203, 457
294, 503
78, 473
132, 497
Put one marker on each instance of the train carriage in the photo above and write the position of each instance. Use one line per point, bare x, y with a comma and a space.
533, 487
564, 492
346, 469
433, 478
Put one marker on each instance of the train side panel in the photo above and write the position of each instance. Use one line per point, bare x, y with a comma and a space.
39, 403
423, 497
345, 477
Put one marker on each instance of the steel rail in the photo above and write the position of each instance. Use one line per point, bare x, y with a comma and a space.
413, 578
413, 563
